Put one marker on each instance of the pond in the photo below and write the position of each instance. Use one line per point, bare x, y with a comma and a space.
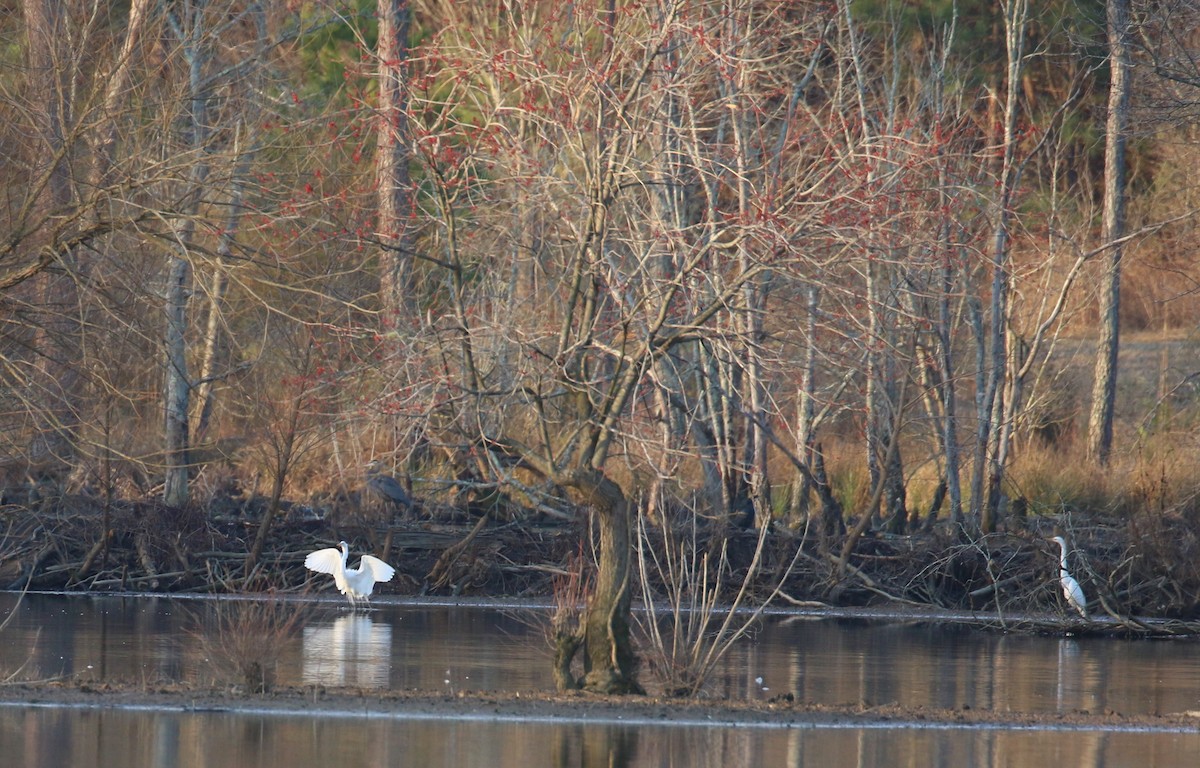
81, 739
490, 647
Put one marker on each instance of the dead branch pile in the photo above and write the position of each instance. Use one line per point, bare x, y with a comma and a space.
1142, 566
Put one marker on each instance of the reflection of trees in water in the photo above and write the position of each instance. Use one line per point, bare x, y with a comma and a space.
594, 746
643, 743
353, 650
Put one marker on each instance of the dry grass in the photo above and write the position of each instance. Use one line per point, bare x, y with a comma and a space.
1050, 478
1160, 474
573, 590
244, 639
696, 607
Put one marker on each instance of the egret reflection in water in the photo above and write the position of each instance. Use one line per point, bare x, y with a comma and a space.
351, 650
1069, 674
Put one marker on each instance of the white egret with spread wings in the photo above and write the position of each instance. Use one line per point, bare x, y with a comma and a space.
355, 583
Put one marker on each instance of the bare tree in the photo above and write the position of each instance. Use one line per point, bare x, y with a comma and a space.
54, 70
60, 214
125, 192
669, 195
1104, 391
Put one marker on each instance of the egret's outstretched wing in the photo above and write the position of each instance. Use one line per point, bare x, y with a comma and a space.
380, 571
323, 560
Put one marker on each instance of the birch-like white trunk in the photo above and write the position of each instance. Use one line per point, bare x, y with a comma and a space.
988, 469
178, 385
215, 353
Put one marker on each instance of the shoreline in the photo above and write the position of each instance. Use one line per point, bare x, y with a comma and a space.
571, 708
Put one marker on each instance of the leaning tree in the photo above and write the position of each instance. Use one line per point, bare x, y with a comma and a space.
610, 200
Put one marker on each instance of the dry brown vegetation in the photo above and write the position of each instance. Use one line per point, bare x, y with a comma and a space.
245, 638
821, 272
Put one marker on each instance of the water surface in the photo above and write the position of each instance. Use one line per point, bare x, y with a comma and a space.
456, 648
46, 738
436, 646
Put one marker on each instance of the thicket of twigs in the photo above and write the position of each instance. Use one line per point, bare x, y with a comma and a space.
80, 543
1134, 565
244, 640
370, 235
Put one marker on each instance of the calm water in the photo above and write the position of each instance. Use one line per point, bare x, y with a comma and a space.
83, 739
455, 648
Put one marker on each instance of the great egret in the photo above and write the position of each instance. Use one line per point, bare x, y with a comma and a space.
355, 583
386, 487
1071, 589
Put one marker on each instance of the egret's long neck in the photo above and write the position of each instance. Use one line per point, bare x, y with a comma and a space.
346, 557
1062, 557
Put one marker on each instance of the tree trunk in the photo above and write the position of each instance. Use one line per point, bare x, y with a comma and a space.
177, 389
833, 521
609, 662
391, 163
947, 395
805, 409
988, 398
711, 431
1104, 390
115, 93
215, 346
941, 364
52, 71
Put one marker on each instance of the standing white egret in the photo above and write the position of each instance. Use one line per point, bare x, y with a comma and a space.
1071, 589
355, 583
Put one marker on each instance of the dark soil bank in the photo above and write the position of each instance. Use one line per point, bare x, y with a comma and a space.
1142, 567
780, 713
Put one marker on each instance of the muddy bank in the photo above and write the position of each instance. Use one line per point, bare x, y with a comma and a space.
782, 712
